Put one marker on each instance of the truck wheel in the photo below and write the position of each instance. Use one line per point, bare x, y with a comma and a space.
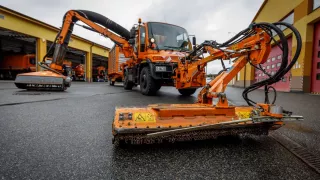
128, 85
21, 86
111, 83
187, 92
148, 85
158, 86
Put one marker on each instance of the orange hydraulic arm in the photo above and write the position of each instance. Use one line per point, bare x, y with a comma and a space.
70, 18
255, 49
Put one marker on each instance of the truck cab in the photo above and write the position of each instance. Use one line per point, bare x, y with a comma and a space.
158, 48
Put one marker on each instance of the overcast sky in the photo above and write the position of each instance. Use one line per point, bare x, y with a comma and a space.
207, 19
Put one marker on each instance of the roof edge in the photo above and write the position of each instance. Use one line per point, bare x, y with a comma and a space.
48, 25
260, 9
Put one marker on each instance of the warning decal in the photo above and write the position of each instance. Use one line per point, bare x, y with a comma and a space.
143, 117
244, 114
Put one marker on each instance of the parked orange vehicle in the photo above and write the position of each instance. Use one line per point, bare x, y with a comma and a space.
11, 65
78, 73
116, 59
99, 74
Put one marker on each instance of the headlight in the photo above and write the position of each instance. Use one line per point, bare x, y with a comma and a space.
161, 68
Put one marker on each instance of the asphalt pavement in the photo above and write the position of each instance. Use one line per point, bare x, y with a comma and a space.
67, 135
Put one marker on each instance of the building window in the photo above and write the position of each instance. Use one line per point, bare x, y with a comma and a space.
268, 60
273, 59
268, 67
259, 75
278, 64
264, 68
284, 79
280, 56
319, 43
318, 54
318, 76
273, 66
316, 4
318, 65
289, 19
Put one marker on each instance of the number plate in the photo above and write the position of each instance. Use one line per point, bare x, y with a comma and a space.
161, 68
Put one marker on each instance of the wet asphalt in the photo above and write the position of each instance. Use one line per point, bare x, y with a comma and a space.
67, 135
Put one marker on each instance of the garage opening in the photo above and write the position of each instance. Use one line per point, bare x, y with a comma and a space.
17, 54
99, 68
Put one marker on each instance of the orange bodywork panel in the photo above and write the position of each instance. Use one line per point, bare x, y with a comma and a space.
44, 74
174, 116
79, 70
115, 63
18, 62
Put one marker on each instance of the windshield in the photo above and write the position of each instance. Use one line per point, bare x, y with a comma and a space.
168, 36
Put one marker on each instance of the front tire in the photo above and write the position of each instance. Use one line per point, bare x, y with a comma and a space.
148, 85
187, 92
158, 86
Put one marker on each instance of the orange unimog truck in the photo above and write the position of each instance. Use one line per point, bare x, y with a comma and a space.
12, 65
78, 73
116, 58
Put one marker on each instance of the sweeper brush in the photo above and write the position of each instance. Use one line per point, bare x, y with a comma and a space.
44, 80
186, 122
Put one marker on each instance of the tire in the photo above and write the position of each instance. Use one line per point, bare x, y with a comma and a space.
127, 85
21, 86
158, 86
111, 83
187, 92
148, 85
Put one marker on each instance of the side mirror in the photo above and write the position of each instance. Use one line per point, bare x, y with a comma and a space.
152, 43
194, 42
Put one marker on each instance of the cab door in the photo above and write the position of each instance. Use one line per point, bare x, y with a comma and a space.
142, 42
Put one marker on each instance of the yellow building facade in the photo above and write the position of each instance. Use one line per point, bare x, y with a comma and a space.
304, 77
